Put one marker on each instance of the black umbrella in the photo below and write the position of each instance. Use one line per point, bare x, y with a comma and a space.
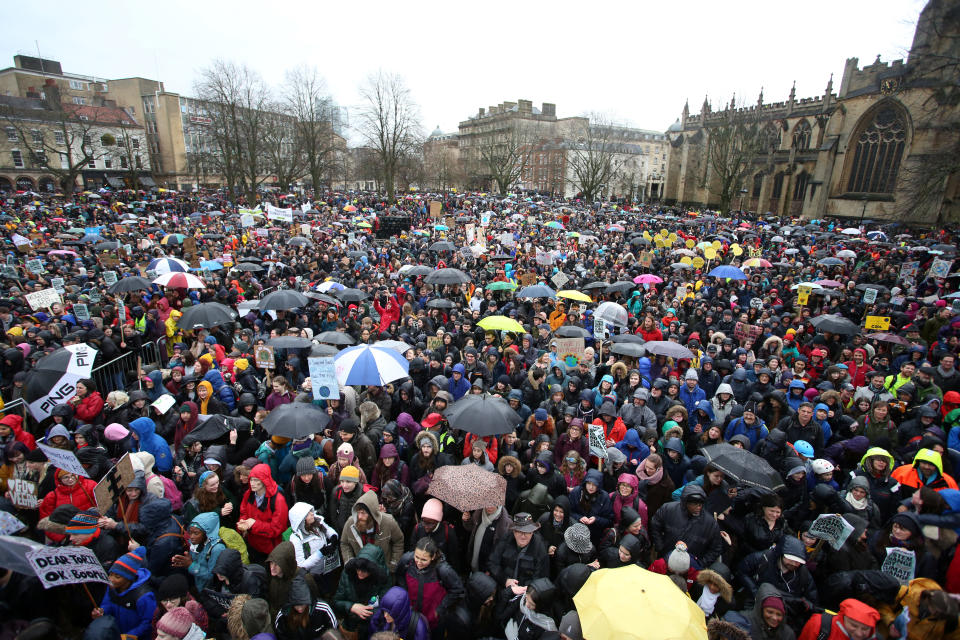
743, 467
869, 285
482, 415
628, 337
323, 350
834, 324
106, 246
442, 245
289, 342
283, 299
351, 295
248, 266
440, 303
501, 256
596, 285
571, 331
296, 420
55, 376
322, 297
448, 276
206, 315
419, 270
300, 241
621, 286
632, 349
335, 337
214, 427
131, 283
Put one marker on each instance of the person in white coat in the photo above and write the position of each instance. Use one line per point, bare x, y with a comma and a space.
315, 544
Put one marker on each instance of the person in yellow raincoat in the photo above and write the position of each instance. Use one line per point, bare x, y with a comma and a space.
174, 333
558, 317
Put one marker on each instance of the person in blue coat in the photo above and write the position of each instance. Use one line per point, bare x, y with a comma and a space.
205, 548
129, 600
224, 392
749, 425
590, 505
634, 448
691, 393
144, 432
458, 386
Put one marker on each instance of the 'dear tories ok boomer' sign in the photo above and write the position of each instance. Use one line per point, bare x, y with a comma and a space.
56, 566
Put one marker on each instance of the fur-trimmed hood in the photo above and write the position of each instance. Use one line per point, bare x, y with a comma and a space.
247, 617
503, 461
426, 435
706, 576
723, 630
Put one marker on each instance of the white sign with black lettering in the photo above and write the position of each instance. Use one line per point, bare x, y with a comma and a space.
56, 566
63, 459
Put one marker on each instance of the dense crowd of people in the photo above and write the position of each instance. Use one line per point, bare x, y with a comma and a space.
228, 530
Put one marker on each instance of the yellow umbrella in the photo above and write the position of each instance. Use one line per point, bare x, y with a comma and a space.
609, 593
501, 323
574, 295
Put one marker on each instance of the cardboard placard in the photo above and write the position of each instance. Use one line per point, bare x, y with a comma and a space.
62, 459
111, 487
323, 378
743, 331
832, 528
598, 442
570, 350
560, 279
803, 294
436, 209
57, 566
189, 246
23, 493
43, 299
869, 296
528, 279
263, 357
110, 277
35, 266
434, 342
57, 284
81, 312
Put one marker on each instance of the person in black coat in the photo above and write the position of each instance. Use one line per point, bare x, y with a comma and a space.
520, 558
554, 523
592, 506
543, 472
686, 521
575, 548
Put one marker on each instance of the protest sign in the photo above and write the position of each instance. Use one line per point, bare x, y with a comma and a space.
57, 566
263, 356
869, 296
35, 266
283, 215
9, 272
436, 209
743, 331
832, 528
901, 564
323, 378
63, 459
544, 258
434, 342
81, 312
908, 270
43, 299
23, 493
528, 278
246, 220
261, 232
599, 329
598, 441
803, 294
221, 599
163, 403
57, 284
877, 323
20, 241
485, 218
110, 277
570, 350
9, 525
559, 279
470, 231
189, 247
111, 486
939, 268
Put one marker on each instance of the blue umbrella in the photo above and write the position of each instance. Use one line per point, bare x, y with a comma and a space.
370, 366
728, 271
537, 291
90, 238
830, 262
209, 265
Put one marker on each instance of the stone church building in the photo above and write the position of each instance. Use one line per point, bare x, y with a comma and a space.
883, 145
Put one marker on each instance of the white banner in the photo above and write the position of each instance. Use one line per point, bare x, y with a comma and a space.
80, 366
43, 299
284, 215
63, 459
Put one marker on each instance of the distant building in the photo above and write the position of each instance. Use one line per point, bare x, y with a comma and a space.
880, 147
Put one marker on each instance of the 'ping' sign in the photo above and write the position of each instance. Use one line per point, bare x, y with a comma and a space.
56, 566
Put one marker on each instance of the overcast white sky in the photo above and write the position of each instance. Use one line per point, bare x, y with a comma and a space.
636, 61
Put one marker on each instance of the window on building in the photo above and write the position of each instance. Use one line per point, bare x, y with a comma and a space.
82, 117
36, 137
64, 161
86, 139
757, 185
108, 163
58, 137
800, 187
78, 85
801, 136
138, 162
17, 159
11, 134
92, 163
135, 142
123, 162
877, 152
778, 185
40, 158
78, 100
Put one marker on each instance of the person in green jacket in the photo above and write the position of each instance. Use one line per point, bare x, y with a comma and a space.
363, 582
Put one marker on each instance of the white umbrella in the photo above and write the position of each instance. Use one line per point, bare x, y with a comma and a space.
179, 281
812, 285
398, 345
370, 365
846, 253
612, 312
850, 231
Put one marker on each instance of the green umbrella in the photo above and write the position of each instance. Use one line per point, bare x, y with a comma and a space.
501, 286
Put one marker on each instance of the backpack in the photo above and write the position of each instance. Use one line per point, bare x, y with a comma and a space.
826, 620
170, 491
233, 540
412, 626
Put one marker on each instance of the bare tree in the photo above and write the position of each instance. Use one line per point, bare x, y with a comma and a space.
734, 141
308, 102
236, 101
283, 147
596, 157
389, 121
441, 167
501, 156
60, 137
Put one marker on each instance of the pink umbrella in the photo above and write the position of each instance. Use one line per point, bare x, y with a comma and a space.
63, 252
647, 278
829, 283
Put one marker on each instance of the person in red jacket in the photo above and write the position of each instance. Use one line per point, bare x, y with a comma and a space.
854, 621
390, 313
87, 404
649, 331
11, 430
69, 488
858, 368
263, 514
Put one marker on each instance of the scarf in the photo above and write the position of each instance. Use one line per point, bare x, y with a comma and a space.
485, 521
651, 479
859, 505
708, 601
619, 502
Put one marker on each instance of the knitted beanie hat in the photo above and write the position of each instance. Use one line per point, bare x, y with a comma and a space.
176, 622
305, 465
83, 523
679, 559
129, 564
350, 473
577, 537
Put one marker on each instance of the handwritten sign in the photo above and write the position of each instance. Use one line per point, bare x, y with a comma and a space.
599, 329
23, 493
877, 323
743, 331
832, 528
869, 296
598, 442
436, 209
570, 350
43, 299
56, 566
65, 460
323, 378
110, 277
434, 342
939, 268
560, 279
283, 215
81, 312
263, 356
111, 486
803, 294
35, 266
57, 284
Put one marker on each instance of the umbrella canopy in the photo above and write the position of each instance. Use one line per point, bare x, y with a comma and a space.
746, 468
417, 270
501, 286
290, 342
466, 487
609, 593
351, 295
482, 415
368, 365
248, 266
317, 349
884, 336
574, 295
667, 348
13, 553
830, 262
571, 331
300, 241
397, 345
632, 349
283, 299
176, 280
131, 283
628, 337
338, 338
206, 315
213, 427
323, 298
440, 303
595, 285
501, 323
442, 245
834, 323
622, 286
447, 276
167, 265
296, 420
536, 291
728, 271
53, 380
612, 312
328, 286
648, 278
